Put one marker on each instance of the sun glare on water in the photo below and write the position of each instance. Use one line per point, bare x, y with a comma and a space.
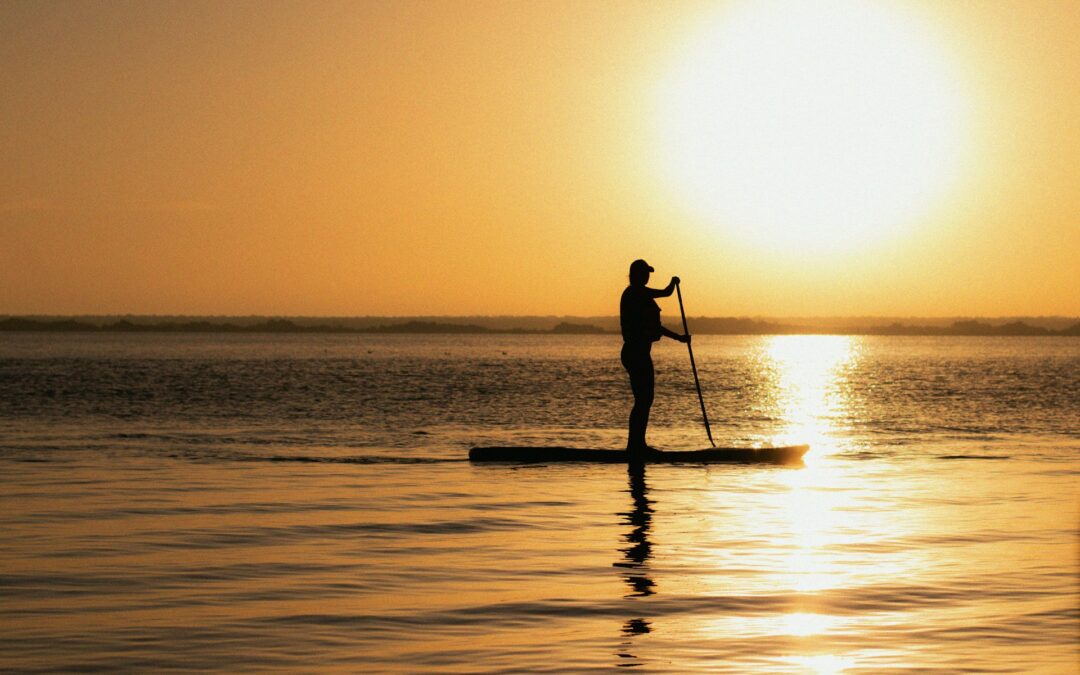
812, 126
808, 371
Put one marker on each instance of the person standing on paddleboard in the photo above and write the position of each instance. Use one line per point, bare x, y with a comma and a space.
639, 317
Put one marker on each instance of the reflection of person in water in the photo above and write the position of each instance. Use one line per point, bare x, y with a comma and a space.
639, 317
636, 558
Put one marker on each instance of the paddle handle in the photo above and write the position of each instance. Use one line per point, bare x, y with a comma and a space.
693, 366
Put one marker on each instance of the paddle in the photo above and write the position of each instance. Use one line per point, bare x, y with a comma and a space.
693, 366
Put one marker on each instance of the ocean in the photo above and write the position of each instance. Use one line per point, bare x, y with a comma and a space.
303, 503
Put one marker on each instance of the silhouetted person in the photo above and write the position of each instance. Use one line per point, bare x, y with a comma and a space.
639, 316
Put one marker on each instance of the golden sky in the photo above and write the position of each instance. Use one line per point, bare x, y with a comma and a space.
394, 158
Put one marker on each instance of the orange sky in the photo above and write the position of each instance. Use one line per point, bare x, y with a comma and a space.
480, 158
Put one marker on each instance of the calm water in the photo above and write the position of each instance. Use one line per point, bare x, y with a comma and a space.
301, 503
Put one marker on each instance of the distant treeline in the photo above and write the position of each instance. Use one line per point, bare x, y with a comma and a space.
700, 325
708, 326
272, 326
974, 328
438, 327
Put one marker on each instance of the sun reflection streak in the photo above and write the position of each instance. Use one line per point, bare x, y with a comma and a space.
811, 528
808, 371
803, 623
822, 664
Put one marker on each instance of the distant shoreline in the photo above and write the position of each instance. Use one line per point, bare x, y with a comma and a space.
700, 326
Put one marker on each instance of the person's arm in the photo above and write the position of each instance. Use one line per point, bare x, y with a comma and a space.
673, 335
663, 292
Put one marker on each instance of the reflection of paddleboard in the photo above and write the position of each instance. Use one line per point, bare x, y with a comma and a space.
784, 455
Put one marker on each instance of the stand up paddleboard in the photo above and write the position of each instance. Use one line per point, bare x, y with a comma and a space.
791, 454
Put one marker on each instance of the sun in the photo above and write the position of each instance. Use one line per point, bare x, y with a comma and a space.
828, 125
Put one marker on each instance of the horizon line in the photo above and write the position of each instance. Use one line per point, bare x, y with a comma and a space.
936, 317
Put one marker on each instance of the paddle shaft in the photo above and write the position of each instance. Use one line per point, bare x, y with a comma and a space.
693, 366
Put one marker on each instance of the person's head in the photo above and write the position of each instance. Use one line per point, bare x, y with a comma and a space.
639, 272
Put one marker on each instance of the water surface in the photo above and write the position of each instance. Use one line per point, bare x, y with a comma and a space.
299, 502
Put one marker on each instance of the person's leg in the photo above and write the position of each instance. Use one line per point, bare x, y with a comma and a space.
648, 386
639, 367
